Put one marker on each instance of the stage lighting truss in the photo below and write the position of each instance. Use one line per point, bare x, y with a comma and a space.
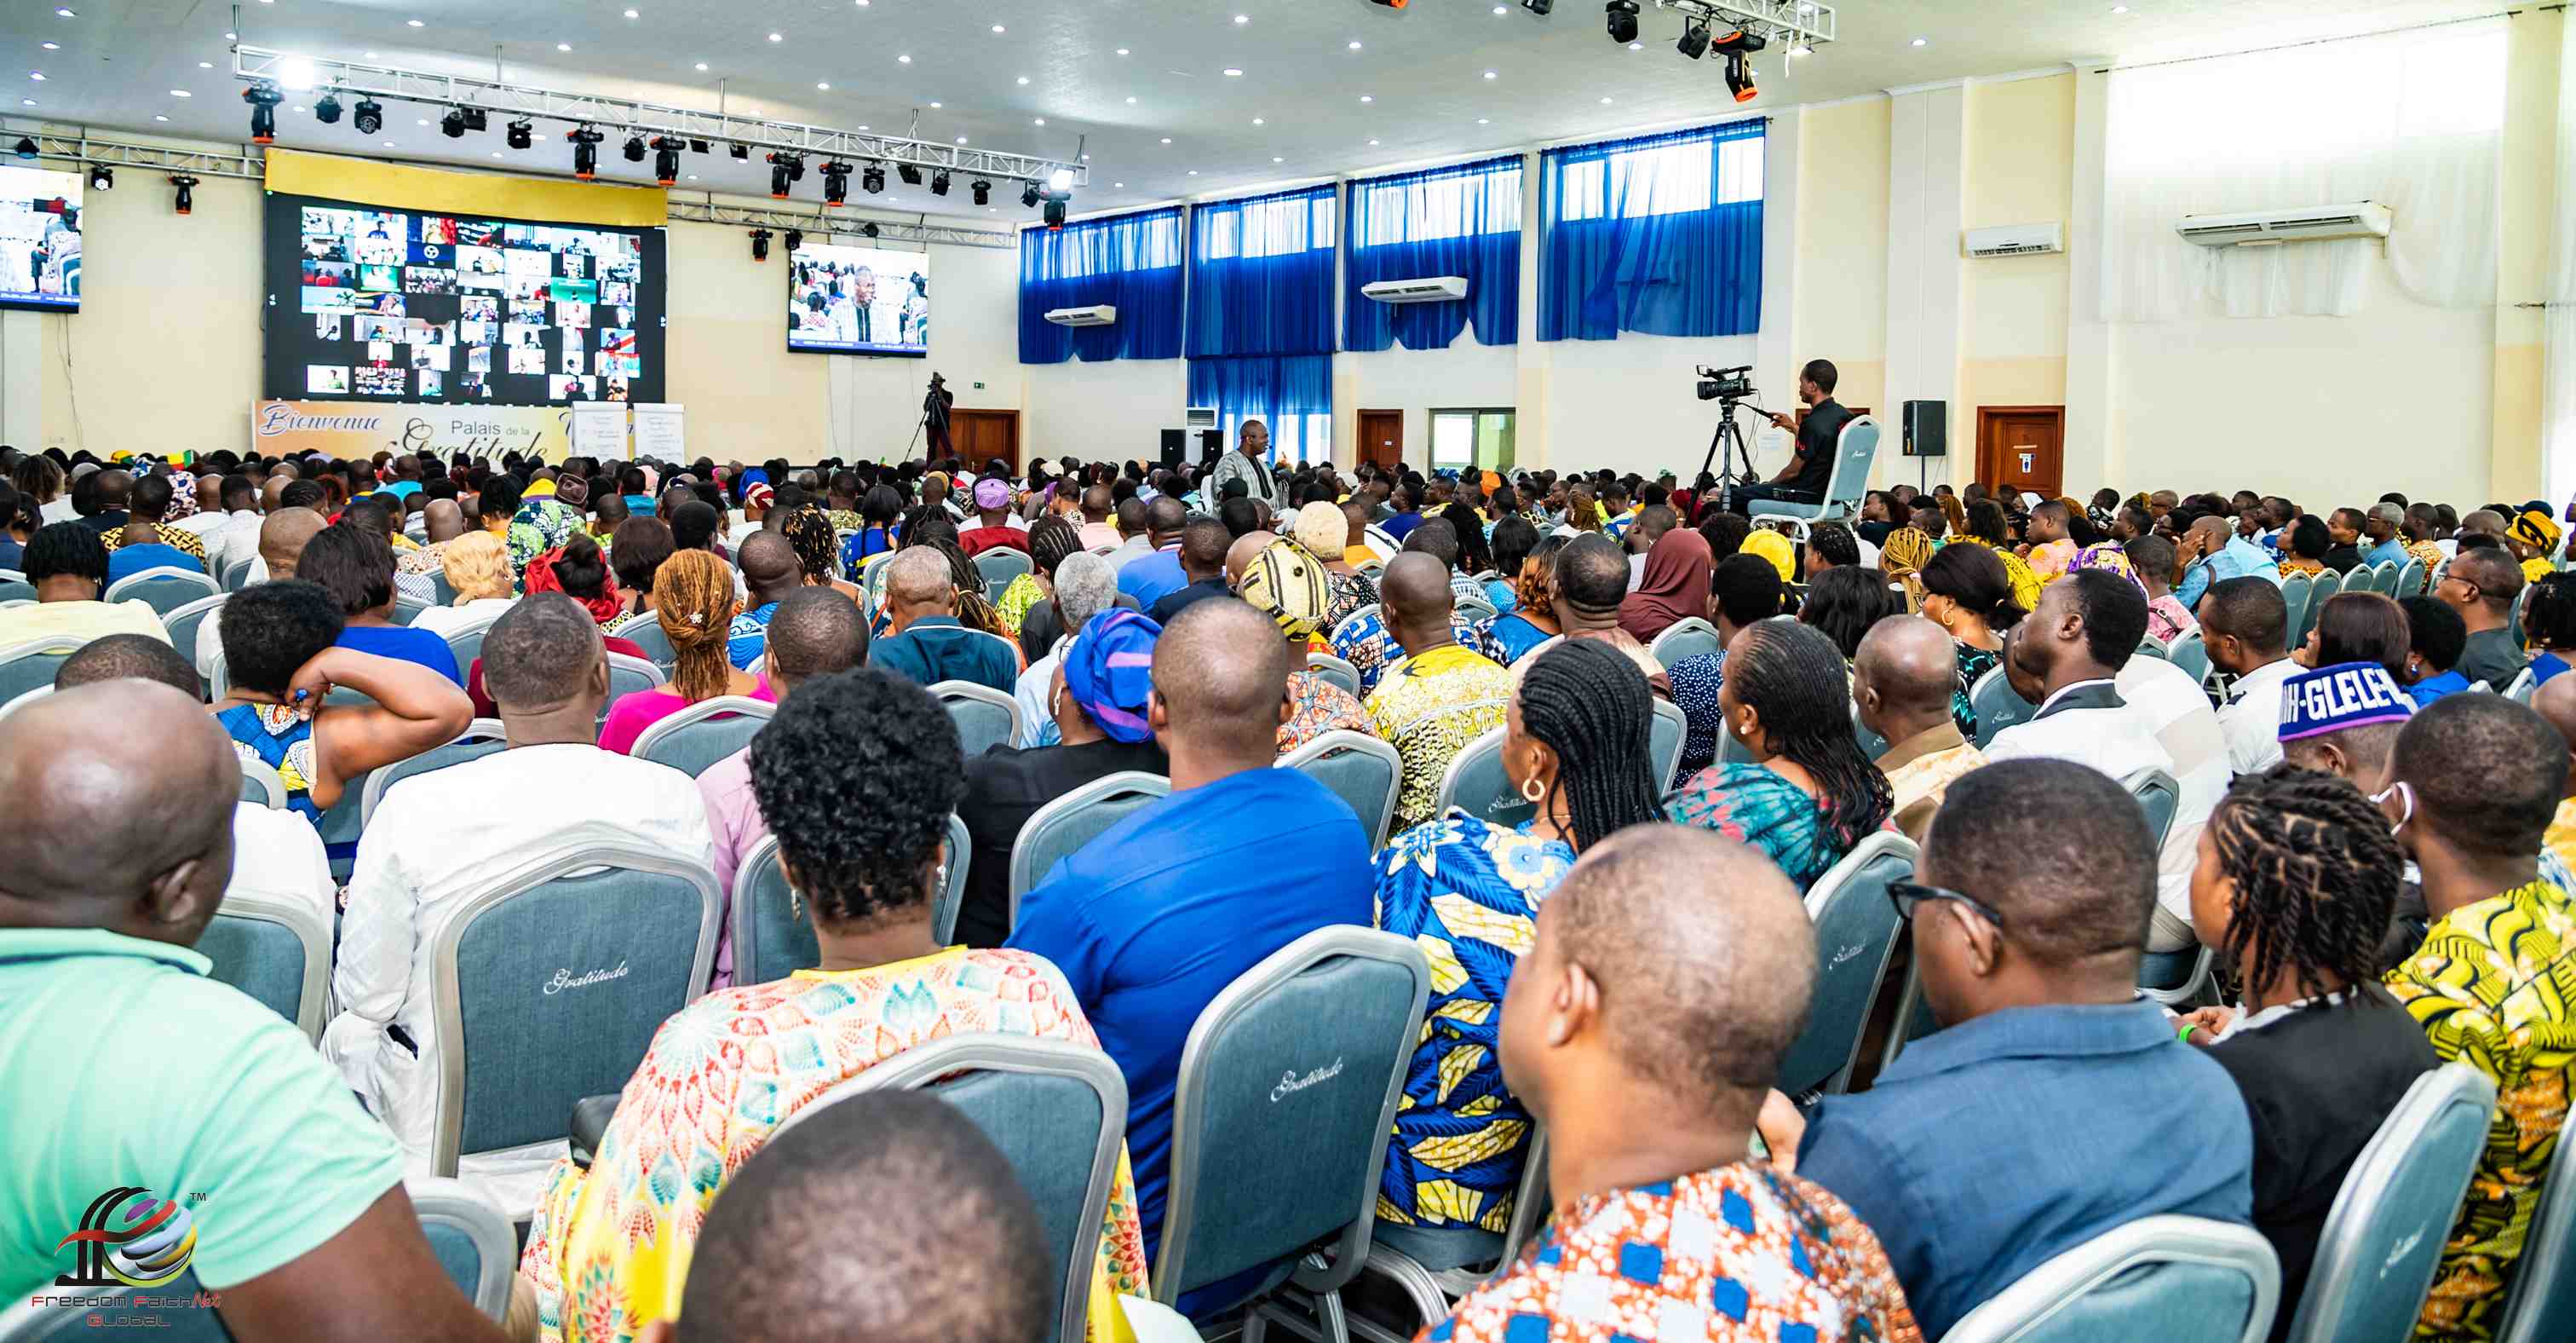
1787, 25
743, 134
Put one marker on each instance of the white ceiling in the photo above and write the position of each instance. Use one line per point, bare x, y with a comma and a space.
121, 63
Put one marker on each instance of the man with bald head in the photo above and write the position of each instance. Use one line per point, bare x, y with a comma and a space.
2052, 1105
1903, 682
2212, 553
1097, 531
1642, 1029
1441, 695
771, 570
1153, 919
929, 645
111, 869
2481, 583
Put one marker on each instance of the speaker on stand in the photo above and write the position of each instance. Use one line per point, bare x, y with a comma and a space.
1927, 435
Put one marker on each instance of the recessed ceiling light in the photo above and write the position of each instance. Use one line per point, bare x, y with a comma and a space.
961, 139
418, 123
702, 65
1040, 120
299, 107
1636, 46
1355, 46
155, 116
997, 27
1368, 97
904, 59
2119, 9
1194, 172
1484, 121
1122, 51
1024, 79
67, 14
1232, 73
232, 37
633, 15
823, 85
1605, 102
774, 37
1131, 98
1372, 143
36, 75
934, 103
1499, 9
30, 102
693, 176
1086, 158
1243, 18
51, 46
863, 126
413, 22
1259, 122
496, 153
389, 144
1276, 159
1167, 139
366, 55
989, 209
1491, 74
1921, 40
202, 65
1120, 185
563, 46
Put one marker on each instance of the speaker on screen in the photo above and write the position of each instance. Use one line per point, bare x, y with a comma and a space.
1927, 428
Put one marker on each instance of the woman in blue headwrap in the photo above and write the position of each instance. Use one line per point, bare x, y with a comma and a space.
1098, 702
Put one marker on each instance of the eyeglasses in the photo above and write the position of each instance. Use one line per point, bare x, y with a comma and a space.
1905, 895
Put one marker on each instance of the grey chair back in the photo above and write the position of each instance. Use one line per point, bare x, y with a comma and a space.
2540, 1305
2296, 592
2159, 796
1060, 827
16, 590
1665, 737
2191, 653
1998, 705
186, 623
2383, 578
773, 939
237, 574
2327, 584
1870, 743
471, 1237
985, 717
165, 589
999, 566
1477, 784
2525, 684
466, 645
1474, 611
112, 1313
1685, 638
1854, 453
442, 591
2385, 1232
1353, 620
547, 986
694, 739
1339, 671
261, 783
1303, 1059
1360, 769
628, 675
2154, 1278
408, 609
482, 737
1057, 1110
2153, 647
2410, 579
1856, 928
31, 664
648, 635
277, 952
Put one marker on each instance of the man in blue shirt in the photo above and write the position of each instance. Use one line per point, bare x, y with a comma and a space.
929, 645
2053, 1105
2212, 552
2385, 529
1150, 578
1159, 914
1407, 515
2436, 636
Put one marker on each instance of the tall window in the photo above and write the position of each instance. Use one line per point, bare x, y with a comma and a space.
1661, 234
1462, 220
1474, 440
1261, 316
1131, 262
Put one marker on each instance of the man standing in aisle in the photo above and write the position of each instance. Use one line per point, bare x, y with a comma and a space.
1249, 463
1820, 431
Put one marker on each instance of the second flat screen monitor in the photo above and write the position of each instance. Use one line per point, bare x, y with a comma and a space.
858, 300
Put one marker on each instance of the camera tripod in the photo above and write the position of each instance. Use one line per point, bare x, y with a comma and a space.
1727, 449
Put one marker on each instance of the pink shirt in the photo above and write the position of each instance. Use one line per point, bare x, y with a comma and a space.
631, 715
734, 823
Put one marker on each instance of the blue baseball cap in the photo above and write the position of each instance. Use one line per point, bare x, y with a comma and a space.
2348, 694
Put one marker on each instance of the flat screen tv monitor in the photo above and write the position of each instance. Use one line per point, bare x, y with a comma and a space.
40, 239
858, 300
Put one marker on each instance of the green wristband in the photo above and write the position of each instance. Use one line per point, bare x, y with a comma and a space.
2184, 1035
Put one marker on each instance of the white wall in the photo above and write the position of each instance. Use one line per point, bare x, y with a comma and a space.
874, 402
1106, 412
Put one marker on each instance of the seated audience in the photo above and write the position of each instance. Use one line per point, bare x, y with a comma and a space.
927, 641
1203, 545
1591, 581
860, 844
1051, 541
2151, 562
2474, 782
1968, 593
146, 542
770, 571
356, 567
1844, 602
2532, 537
1531, 619
1441, 695
2297, 878
1285, 582
2052, 1105
693, 603
636, 551
2435, 638
68, 568
1369, 643
1159, 914
1641, 1030
2358, 627
2549, 624
1325, 531
478, 567
1077, 591
1097, 695
2480, 583
118, 856
1748, 590
1903, 685
1673, 586
1154, 571
2557, 703
992, 521
1575, 746
2244, 623
2304, 547
1988, 527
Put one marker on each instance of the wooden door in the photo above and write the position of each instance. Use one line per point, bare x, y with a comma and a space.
1382, 437
2022, 448
982, 435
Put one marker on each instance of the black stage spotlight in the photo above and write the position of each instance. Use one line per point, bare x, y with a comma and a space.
783, 170
910, 173
666, 160
26, 148
868, 230
100, 179
263, 98
697, 146
477, 120
760, 244
634, 147
453, 124
1389, 4
327, 111
1028, 195
585, 151
836, 182
1055, 211
939, 183
795, 241
1623, 20
1541, 8
521, 134
983, 192
1694, 40
739, 151
184, 183
369, 118
872, 178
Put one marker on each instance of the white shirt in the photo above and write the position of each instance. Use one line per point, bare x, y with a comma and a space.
446, 620
438, 839
278, 856
1032, 691
201, 525
2187, 728
2251, 719
60, 510
2118, 742
235, 540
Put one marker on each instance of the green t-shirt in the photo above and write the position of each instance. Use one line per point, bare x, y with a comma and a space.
122, 1064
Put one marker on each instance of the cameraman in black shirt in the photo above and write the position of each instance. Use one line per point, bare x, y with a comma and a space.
1811, 467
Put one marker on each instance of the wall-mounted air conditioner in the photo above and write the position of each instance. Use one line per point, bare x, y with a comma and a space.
2263, 227
1099, 314
1435, 289
2014, 240
1199, 417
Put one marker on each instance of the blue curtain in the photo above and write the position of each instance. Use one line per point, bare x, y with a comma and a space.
1131, 261
1462, 220
1661, 234
1265, 387
1261, 275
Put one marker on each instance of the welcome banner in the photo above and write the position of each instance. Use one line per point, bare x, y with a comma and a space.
344, 429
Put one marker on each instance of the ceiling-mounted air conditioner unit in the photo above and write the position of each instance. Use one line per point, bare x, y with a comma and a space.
2265, 227
1099, 314
2014, 240
1435, 289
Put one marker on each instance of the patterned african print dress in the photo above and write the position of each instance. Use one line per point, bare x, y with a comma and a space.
1467, 893
272, 735
2494, 986
609, 1250
1974, 663
1317, 706
1428, 708
1752, 805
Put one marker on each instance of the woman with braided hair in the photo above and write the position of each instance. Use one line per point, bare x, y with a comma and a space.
1574, 746
694, 602
809, 532
1509, 637
2296, 879
1051, 539
1809, 794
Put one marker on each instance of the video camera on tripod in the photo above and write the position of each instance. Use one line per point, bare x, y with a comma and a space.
1727, 449
1726, 384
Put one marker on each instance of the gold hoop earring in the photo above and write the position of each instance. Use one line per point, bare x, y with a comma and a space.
1532, 793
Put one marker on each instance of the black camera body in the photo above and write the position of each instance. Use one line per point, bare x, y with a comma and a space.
1726, 384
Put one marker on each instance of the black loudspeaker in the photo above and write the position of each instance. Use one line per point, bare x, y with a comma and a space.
1175, 442
1927, 429
1211, 446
